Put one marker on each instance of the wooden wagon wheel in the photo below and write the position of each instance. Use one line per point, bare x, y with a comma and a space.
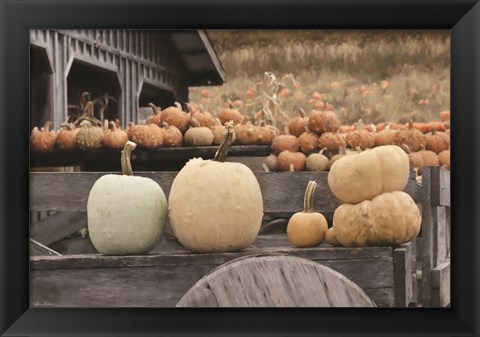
274, 281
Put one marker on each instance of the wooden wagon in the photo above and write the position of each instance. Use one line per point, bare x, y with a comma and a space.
413, 274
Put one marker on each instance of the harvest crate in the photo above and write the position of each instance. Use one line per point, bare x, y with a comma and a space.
414, 274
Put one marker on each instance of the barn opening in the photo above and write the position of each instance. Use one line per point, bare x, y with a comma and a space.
41, 77
88, 82
150, 93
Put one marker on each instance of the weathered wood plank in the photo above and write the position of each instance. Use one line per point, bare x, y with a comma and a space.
378, 256
442, 235
425, 241
403, 275
130, 286
37, 249
50, 191
58, 226
275, 281
160, 159
440, 189
441, 285
57, 280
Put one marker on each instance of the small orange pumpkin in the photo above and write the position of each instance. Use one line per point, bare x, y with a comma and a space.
291, 161
297, 125
114, 137
43, 140
307, 228
323, 121
285, 141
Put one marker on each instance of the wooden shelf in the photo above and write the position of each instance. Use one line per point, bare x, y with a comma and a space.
161, 159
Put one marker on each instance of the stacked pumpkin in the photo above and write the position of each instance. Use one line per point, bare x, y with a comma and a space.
375, 210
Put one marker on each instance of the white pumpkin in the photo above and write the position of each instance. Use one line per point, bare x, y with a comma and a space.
362, 176
215, 206
126, 214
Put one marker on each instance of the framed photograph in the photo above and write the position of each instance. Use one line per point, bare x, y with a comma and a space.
400, 66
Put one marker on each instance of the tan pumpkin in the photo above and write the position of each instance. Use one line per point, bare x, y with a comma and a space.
270, 163
174, 115
317, 162
215, 206
291, 161
323, 121
298, 124
43, 140
331, 238
285, 141
389, 219
67, 137
356, 178
307, 228
114, 137
198, 135
89, 137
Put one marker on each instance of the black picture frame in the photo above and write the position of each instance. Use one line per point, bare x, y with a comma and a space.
17, 17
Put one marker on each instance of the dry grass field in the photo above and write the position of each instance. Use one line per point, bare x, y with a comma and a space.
375, 75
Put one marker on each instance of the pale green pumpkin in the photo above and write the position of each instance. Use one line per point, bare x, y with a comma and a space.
126, 214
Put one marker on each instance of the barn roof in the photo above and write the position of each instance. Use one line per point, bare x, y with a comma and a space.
199, 56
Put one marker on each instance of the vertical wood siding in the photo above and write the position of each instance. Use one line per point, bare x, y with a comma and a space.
135, 56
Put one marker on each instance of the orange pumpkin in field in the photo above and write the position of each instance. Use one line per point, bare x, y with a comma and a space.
445, 115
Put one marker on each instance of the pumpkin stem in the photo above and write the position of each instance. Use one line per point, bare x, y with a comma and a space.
301, 112
194, 123
179, 106
222, 151
155, 109
308, 199
47, 125
125, 158
406, 148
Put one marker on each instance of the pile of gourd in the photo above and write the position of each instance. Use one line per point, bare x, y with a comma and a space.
315, 142
170, 127
374, 211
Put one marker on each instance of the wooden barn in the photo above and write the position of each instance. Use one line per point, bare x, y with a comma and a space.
128, 68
